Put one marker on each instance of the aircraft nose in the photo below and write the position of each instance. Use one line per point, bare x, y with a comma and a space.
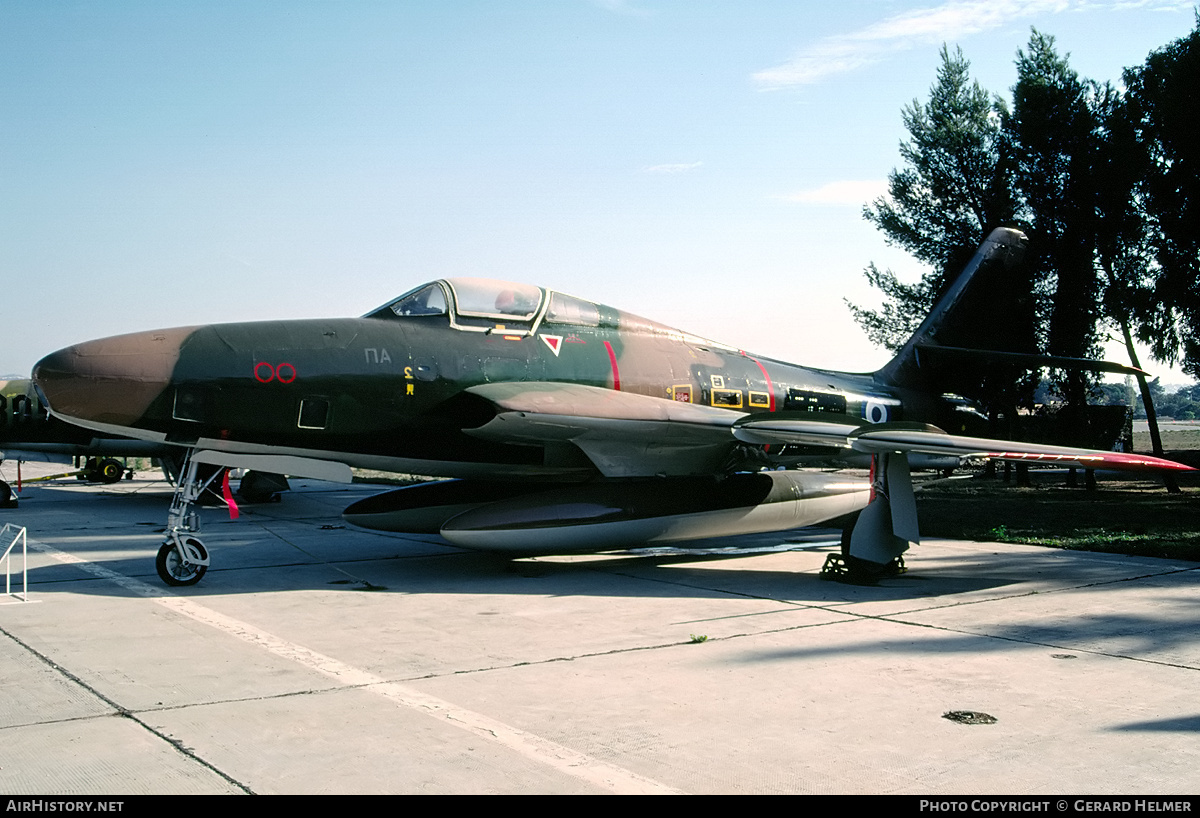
111, 380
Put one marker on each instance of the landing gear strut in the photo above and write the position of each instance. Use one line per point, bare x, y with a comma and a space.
183, 559
873, 546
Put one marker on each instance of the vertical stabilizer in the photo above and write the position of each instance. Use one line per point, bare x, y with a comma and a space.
950, 323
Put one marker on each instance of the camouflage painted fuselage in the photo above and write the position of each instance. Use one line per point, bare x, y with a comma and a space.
390, 390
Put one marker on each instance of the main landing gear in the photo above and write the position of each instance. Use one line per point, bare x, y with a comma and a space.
183, 559
874, 544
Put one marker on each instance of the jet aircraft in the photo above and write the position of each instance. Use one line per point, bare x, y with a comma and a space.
570, 425
29, 432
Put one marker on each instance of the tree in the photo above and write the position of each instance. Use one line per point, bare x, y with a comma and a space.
953, 192
1053, 133
1123, 248
1162, 96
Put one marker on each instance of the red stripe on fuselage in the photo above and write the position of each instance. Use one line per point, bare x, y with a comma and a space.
770, 386
612, 359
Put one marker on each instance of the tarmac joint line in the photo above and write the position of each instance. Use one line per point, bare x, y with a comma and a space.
559, 757
123, 712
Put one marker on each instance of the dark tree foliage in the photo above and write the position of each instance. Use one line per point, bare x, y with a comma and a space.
1123, 248
1163, 96
1053, 131
1182, 404
905, 306
952, 192
1106, 186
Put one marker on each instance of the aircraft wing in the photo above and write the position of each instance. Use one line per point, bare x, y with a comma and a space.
630, 435
935, 441
901, 437
624, 434
802, 429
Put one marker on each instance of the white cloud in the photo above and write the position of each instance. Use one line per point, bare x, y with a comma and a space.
625, 7
856, 193
900, 32
676, 168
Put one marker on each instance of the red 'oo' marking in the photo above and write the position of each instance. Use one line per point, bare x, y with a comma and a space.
265, 372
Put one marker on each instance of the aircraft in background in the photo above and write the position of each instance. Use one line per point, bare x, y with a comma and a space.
29, 433
571, 425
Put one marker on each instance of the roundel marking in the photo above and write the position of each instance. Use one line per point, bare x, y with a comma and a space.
875, 412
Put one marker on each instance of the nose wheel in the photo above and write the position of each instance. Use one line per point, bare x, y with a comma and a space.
182, 560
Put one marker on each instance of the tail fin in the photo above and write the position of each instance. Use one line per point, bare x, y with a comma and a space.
957, 317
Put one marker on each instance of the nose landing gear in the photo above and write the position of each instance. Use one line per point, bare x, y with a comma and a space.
183, 559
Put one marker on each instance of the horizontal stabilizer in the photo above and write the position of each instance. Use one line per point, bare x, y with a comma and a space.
927, 353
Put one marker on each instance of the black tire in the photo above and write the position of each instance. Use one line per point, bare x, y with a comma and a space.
175, 572
110, 471
261, 487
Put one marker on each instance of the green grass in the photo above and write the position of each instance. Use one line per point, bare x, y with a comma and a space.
1125, 517
1171, 545
1172, 439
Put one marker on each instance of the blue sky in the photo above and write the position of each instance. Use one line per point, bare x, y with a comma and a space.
701, 163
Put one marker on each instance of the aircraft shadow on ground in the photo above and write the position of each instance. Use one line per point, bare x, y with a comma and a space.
1178, 724
1169, 638
1123, 635
258, 553
256, 556
259, 561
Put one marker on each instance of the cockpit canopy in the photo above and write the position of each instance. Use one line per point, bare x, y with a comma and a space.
487, 298
470, 302
489, 305
427, 300
474, 297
